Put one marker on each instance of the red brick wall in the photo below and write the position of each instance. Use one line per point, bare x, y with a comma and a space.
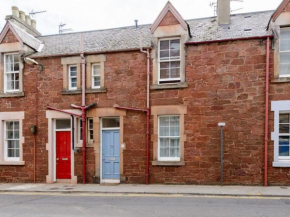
9, 37
226, 83
169, 19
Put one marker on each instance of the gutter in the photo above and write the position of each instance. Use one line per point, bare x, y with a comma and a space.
90, 53
230, 39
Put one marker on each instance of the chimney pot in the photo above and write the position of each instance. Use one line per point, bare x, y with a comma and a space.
15, 11
22, 15
28, 20
33, 24
224, 12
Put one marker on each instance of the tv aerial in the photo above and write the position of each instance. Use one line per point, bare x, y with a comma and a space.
62, 30
33, 13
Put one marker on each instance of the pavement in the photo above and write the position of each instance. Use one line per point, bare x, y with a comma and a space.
210, 190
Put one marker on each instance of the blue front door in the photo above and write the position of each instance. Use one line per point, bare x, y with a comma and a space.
111, 154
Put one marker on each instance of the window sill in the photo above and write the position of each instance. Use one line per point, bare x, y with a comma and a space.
179, 85
168, 163
73, 92
12, 163
281, 164
10, 95
281, 80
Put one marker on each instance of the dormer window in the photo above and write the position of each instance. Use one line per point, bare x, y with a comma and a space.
169, 60
284, 52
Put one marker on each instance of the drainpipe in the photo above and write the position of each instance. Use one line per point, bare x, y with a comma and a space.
266, 113
83, 107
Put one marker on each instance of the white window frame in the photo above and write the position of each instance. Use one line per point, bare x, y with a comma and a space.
279, 107
6, 158
173, 60
89, 129
13, 72
167, 158
70, 77
93, 76
288, 51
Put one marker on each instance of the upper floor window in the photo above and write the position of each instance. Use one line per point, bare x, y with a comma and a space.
72, 77
96, 76
11, 72
285, 52
169, 60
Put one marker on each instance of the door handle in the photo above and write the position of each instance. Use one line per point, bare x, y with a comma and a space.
57, 158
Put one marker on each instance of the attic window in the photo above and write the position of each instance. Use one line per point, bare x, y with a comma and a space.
247, 30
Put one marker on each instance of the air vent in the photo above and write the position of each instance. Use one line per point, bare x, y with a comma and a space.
247, 30
248, 16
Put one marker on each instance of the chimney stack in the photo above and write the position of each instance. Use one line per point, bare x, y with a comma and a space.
15, 11
224, 12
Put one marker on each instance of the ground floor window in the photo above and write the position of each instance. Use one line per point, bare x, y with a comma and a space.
169, 138
281, 134
12, 140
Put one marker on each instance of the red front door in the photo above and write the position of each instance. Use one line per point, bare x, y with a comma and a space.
63, 155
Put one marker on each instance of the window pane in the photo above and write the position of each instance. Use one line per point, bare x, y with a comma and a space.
91, 123
285, 33
284, 58
175, 73
110, 122
97, 81
96, 70
164, 65
164, 121
284, 45
175, 53
164, 73
174, 147
284, 151
164, 147
283, 118
164, 131
284, 69
63, 124
9, 125
175, 44
164, 45
283, 128
8, 68
283, 140
175, 64
9, 59
73, 73
164, 54
16, 58
16, 67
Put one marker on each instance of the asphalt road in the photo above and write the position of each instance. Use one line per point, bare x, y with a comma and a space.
40, 205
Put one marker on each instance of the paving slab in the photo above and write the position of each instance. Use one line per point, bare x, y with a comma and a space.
273, 191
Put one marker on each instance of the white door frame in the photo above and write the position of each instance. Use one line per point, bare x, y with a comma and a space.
101, 151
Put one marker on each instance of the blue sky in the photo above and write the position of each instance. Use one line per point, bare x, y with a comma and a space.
82, 15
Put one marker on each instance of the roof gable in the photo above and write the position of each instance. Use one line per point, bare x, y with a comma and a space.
168, 16
22, 36
280, 9
8, 28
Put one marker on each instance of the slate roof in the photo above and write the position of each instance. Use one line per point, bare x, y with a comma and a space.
204, 29
28, 39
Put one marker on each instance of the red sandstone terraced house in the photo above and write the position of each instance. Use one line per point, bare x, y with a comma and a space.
94, 107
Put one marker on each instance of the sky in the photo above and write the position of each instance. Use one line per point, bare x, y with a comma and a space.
84, 15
